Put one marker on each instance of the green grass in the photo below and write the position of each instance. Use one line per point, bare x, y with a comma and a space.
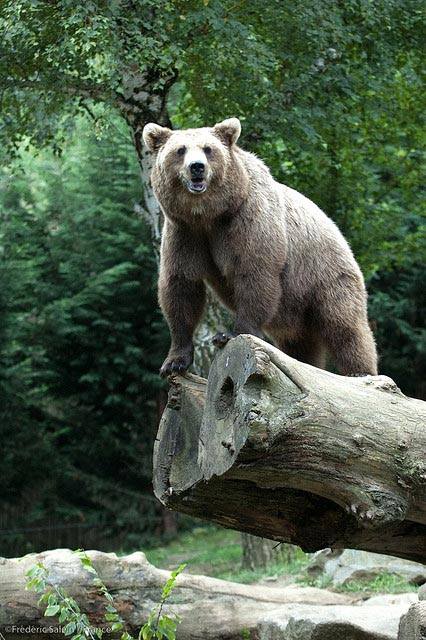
217, 552
384, 583
273, 570
207, 550
321, 582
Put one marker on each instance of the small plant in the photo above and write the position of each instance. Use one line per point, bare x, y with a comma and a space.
60, 604
158, 625
77, 625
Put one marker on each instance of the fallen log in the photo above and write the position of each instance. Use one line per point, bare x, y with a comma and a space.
283, 450
211, 609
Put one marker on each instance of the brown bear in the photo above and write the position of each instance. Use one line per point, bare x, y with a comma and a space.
271, 255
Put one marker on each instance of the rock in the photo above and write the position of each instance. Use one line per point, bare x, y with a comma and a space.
422, 592
349, 564
413, 623
403, 599
334, 622
319, 560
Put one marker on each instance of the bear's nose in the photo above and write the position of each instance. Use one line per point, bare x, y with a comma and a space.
196, 169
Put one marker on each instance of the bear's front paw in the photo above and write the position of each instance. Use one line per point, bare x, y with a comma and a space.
174, 365
221, 338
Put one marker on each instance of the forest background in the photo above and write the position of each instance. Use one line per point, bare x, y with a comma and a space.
330, 96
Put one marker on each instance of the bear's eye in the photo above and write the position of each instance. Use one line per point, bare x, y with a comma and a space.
207, 150
181, 151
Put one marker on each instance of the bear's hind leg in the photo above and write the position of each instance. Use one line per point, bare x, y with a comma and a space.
309, 349
342, 322
353, 349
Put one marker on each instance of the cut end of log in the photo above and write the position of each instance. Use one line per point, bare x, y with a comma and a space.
176, 446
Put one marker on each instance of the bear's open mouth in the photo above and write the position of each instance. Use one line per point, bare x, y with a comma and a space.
196, 185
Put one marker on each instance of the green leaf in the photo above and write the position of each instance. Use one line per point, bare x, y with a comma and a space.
167, 627
146, 633
52, 610
69, 628
63, 615
109, 617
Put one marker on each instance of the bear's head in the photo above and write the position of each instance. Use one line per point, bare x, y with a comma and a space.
191, 161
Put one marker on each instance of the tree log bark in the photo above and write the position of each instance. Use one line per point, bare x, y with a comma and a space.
283, 450
211, 609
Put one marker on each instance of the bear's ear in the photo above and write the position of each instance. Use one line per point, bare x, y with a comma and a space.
155, 136
228, 131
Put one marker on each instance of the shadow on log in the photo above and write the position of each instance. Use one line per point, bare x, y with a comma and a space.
283, 450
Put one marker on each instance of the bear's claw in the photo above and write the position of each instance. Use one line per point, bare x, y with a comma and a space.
176, 365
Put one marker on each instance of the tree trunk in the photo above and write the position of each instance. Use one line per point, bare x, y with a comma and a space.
259, 553
210, 609
142, 103
280, 449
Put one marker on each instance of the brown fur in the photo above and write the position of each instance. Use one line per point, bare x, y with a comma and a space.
272, 256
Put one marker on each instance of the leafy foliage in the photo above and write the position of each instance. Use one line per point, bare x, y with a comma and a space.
160, 625
85, 336
399, 304
59, 603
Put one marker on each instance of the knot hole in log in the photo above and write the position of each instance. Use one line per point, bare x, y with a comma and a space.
225, 399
